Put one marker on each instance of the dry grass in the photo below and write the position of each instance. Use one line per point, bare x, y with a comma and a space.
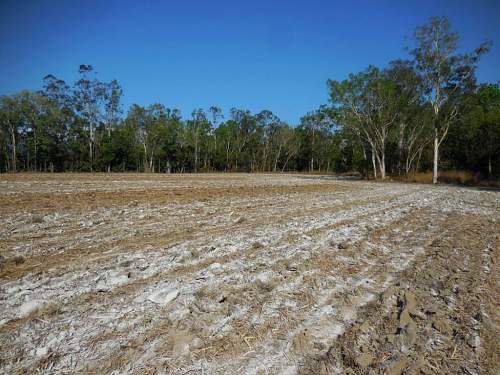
453, 177
458, 177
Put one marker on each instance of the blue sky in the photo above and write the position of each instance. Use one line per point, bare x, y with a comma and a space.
274, 55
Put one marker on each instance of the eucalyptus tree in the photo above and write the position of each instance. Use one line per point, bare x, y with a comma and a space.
268, 124
151, 129
11, 121
198, 130
216, 118
61, 130
112, 107
310, 122
412, 131
138, 119
225, 135
288, 145
161, 135
4, 152
57, 90
243, 125
31, 107
316, 123
89, 94
113, 110
367, 102
445, 75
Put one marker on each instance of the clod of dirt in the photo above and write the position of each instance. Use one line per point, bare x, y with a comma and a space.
398, 367
239, 220
410, 302
264, 285
194, 253
407, 327
343, 246
430, 310
196, 343
179, 342
302, 342
37, 219
442, 325
49, 218
411, 332
41, 352
291, 267
29, 307
478, 317
364, 360
387, 294
257, 245
404, 318
126, 263
163, 296
215, 268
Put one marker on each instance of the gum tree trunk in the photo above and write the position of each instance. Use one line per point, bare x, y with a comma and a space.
436, 158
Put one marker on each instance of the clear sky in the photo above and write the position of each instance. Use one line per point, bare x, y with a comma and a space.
255, 55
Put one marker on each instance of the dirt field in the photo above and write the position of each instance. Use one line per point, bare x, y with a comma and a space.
246, 274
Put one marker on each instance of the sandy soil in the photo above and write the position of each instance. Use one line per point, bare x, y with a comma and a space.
251, 274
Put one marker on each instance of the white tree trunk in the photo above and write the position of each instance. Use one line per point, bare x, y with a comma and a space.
14, 153
146, 165
382, 166
196, 154
277, 158
374, 164
91, 146
436, 158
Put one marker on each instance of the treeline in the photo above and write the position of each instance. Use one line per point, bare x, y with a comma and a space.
81, 127
413, 115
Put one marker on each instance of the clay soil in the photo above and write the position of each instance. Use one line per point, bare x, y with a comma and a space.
246, 274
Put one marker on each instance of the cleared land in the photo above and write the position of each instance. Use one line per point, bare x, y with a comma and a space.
227, 274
